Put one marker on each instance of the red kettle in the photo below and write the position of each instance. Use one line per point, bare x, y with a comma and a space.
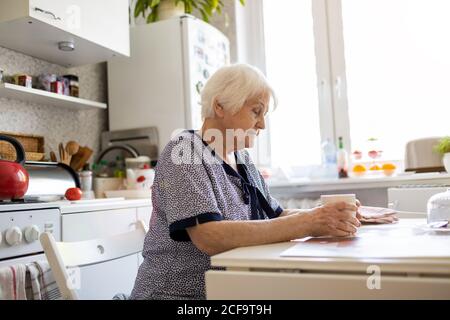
13, 177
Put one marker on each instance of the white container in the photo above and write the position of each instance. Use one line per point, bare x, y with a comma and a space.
140, 179
86, 180
137, 163
446, 161
438, 207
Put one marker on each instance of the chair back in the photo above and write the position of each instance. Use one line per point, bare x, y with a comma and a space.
63, 255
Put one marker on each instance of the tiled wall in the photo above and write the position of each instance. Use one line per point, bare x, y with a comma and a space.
61, 125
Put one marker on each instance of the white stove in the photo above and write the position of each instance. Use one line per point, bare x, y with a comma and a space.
20, 227
43, 210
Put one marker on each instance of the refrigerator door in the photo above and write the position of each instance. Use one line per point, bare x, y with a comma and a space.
147, 90
205, 49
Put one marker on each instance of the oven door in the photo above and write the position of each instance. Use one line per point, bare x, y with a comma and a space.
26, 259
6, 263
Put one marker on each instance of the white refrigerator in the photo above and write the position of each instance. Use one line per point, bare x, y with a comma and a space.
160, 84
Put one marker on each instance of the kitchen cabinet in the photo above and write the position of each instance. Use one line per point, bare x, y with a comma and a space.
103, 281
97, 29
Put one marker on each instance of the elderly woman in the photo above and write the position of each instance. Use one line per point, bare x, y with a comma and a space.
208, 196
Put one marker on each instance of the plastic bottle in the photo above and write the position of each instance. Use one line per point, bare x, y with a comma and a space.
342, 160
329, 160
119, 171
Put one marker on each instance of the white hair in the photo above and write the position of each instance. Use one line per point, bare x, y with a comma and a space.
231, 86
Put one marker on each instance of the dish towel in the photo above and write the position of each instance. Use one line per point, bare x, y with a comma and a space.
12, 282
41, 284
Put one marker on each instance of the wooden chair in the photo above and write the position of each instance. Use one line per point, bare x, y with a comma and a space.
63, 255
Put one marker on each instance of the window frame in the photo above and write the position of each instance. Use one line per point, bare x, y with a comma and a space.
333, 111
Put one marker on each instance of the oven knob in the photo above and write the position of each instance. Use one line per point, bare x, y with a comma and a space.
13, 236
32, 233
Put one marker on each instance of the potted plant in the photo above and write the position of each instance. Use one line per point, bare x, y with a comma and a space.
443, 147
163, 9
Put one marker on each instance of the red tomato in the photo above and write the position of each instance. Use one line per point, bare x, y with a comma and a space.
140, 179
73, 194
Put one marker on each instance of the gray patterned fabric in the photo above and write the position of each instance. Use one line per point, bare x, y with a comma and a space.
190, 189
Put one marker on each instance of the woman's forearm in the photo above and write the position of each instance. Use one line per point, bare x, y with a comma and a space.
219, 236
287, 212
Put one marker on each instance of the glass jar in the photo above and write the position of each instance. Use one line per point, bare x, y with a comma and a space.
86, 184
438, 207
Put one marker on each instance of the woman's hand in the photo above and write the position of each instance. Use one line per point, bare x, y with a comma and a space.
358, 213
334, 219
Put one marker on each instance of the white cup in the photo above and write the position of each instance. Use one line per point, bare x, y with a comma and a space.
333, 198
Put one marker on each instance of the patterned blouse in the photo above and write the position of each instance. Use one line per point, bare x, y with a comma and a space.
193, 186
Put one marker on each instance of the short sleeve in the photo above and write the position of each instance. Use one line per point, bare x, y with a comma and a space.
185, 190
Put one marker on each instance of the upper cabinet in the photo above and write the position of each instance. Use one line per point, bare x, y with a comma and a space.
66, 32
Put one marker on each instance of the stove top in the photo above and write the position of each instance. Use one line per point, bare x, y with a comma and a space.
20, 201
24, 204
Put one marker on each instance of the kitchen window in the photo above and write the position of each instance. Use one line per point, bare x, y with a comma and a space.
290, 67
358, 69
397, 58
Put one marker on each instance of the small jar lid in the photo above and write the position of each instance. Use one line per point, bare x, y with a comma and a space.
86, 173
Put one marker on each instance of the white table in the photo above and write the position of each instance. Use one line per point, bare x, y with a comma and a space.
260, 272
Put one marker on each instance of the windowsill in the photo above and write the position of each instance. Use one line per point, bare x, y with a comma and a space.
306, 184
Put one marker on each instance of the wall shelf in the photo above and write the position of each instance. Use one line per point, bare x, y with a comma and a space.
12, 91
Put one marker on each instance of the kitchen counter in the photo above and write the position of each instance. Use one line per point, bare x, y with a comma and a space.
68, 207
371, 190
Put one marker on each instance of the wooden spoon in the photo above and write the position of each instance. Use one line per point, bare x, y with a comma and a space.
72, 148
53, 156
62, 154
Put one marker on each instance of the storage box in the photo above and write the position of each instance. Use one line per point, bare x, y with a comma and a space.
23, 80
32, 144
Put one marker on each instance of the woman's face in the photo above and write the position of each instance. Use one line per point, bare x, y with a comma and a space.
247, 122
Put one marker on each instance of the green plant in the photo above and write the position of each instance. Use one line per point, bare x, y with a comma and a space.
206, 7
443, 146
